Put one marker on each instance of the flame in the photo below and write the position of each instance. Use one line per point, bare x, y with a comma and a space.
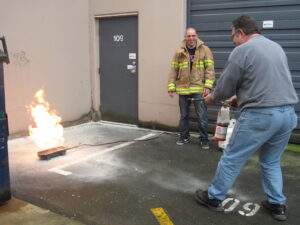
48, 131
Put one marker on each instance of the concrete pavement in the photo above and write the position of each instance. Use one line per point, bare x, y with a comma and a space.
150, 181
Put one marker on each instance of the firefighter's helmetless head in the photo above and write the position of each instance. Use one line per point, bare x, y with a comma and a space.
190, 37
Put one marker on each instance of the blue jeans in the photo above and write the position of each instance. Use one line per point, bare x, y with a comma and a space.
266, 130
201, 112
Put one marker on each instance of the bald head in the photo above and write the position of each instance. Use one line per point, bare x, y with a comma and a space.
191, 29
190, 37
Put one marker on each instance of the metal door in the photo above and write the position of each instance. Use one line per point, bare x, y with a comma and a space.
118, 69
279, 21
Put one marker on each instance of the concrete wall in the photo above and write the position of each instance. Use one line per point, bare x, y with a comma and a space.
161, 29
48, 43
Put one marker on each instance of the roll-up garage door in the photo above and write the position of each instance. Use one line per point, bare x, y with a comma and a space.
279, 21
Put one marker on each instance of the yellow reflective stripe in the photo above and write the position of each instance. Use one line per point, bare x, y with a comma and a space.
209, 83
174, 65
171, 87
189, 90
183, 65
195, 92
199, 64
209, 62
183, 92
196, 89
179, 65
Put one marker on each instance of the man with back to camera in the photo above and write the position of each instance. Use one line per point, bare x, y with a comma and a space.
257, 73
192, 76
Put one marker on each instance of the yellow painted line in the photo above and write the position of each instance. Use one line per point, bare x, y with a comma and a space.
161, 216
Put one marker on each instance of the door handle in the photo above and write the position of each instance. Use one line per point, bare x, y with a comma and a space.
132, 67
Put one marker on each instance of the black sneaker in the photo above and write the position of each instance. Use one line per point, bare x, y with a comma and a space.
277, 211
204, 145
213, 204
181, 140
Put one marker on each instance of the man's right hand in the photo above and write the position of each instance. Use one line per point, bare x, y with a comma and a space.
171, 93
233, 101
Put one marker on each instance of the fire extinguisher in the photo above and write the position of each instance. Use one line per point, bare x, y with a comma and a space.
223, 144
222, 122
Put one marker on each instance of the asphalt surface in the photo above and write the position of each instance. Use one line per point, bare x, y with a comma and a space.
149, 182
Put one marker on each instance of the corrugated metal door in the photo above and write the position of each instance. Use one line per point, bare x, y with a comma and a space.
279, 21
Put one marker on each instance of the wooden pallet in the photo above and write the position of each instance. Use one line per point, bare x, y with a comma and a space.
52, 152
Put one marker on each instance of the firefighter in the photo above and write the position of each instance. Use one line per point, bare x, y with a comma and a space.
191, 76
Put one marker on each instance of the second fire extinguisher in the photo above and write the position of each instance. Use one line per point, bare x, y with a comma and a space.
222, 122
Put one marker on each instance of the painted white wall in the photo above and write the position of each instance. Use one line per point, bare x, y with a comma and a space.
161, 29
48, 43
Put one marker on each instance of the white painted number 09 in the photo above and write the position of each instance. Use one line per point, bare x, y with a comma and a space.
118, 38
249, 208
